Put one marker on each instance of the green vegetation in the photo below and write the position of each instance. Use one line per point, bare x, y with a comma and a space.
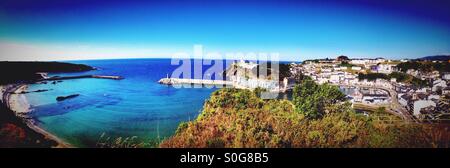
425, 66
284, 70
372, 76
399, 76
299, 77
346, 64
378, 113
405, 78
311, 99
239, 118
392, 62
125, 142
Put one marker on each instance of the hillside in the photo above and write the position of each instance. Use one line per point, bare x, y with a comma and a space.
14, 133
436, 58
12, 72
238, 118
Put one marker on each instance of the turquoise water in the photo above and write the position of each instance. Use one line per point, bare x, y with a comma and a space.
136, 106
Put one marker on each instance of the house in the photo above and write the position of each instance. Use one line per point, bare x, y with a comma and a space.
356, 68
434, 97
375, 98
420, 104
366, 61
322, 80
403, 99
413, 72
379, 60
374, 68
334, 78
446, 90
438, 84
337, 68
422, 90
446, 76
385, 68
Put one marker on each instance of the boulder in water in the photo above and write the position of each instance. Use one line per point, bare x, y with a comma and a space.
62, 98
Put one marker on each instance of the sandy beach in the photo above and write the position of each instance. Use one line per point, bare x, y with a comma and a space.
18, 103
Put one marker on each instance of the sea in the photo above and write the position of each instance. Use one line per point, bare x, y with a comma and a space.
137, 106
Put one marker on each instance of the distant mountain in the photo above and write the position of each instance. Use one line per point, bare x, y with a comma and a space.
435, 58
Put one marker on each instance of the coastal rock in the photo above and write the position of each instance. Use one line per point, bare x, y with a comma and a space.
36, 91
62, 98
41, 90
166, 81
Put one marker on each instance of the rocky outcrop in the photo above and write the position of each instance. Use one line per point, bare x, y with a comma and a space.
62, 98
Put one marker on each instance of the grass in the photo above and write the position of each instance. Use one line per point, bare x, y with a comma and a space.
105, 141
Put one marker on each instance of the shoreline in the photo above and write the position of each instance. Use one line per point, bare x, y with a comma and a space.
20, 106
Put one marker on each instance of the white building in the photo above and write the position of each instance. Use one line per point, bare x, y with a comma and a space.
334, 78
438, 84
434, 97
446, 76
367, 61
422, 90
402, 100
420, 104
413, 72
356, 68
385, 68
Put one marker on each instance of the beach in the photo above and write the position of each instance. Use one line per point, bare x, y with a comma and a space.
13, 97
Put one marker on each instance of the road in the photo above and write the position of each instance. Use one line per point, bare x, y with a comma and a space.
394, 105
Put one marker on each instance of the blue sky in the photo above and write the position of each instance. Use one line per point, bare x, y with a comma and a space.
298, 30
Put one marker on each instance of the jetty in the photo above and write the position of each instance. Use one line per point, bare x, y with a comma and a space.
174, 81
57, 78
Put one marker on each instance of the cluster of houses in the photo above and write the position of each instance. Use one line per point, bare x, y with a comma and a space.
430, 102
425, 75
328, 73
427, 103
370, 96
336, 73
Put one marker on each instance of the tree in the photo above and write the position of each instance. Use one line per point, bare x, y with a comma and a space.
285, 71
312, 99
342, 58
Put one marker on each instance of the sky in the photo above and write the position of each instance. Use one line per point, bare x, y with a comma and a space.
297, 30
